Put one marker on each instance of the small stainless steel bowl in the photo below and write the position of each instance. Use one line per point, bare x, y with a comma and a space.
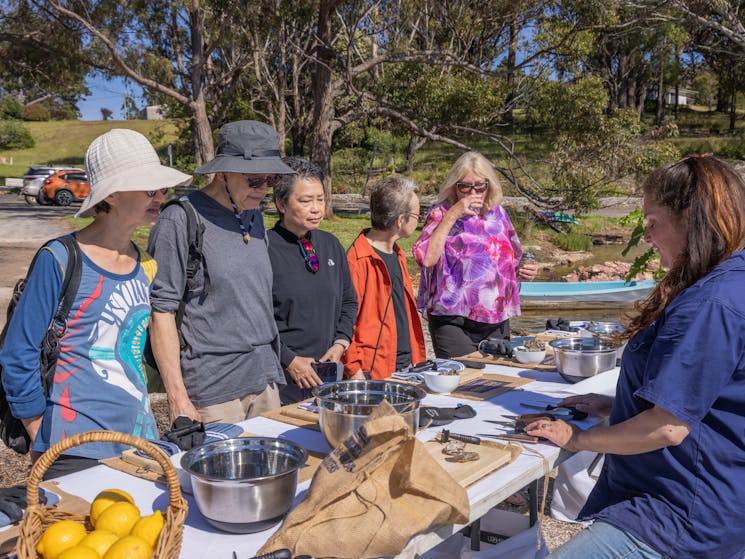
247, 484
344, 406
581, 358
606, 330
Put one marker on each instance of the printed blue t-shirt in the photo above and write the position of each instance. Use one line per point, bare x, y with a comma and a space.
99, 382
686, 500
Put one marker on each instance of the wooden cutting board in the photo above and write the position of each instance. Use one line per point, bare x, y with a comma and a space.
546, 365
294, 415
492, 456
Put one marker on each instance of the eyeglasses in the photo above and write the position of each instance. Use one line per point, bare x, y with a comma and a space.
412, 214
467, 187
270, 180
152, 193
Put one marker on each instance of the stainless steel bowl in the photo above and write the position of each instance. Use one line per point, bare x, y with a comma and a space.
244, 485
580, 358
606, 330
344, 406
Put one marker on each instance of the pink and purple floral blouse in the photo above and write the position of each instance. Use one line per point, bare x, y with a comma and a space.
476, 274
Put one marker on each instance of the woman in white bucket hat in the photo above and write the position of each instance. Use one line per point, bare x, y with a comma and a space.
222, 363
98, 381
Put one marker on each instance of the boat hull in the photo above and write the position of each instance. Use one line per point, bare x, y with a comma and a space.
597, 294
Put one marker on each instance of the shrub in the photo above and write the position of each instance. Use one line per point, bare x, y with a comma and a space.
36, 112
573, 241
14, 135
10, 109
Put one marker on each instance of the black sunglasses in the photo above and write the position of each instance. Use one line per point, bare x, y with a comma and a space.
270, 181
467, 187
152, 193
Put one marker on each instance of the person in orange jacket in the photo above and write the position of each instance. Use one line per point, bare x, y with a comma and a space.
388, 333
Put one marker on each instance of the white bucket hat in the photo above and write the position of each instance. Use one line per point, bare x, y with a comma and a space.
124, 160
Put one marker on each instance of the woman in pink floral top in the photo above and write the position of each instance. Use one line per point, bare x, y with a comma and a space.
469, 254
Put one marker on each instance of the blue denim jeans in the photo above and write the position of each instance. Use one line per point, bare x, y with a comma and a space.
604, 541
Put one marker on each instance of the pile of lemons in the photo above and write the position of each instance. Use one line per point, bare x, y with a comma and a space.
119, 531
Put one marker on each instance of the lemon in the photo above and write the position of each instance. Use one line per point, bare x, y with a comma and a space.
118, 518
79, 552
149, 527
105, 499
59, 537
99, 541
129, 547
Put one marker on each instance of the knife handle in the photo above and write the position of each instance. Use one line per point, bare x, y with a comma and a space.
469, 439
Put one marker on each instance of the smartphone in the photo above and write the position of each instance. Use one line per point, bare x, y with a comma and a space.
328, 371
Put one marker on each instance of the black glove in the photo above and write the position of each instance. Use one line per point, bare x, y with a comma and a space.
185, 432
496, 346
13, 501
434, 417
560, 324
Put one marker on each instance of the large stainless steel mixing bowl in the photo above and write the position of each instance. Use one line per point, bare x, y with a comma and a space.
581, 358
247, 484
345, 406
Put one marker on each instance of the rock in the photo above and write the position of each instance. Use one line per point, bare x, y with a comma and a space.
608, 271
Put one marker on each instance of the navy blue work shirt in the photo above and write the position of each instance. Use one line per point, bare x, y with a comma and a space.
686, 500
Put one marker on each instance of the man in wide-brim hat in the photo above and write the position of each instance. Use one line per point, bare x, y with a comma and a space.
222, 363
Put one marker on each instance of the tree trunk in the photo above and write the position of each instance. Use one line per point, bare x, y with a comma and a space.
511, 60
733, 110
204, 147
722, 97
323, 98
415, 144
297, 130
660, 113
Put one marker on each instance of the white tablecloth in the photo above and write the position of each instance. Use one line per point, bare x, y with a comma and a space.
203, 541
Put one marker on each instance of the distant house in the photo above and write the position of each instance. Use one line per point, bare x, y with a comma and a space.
153, 112
685, 96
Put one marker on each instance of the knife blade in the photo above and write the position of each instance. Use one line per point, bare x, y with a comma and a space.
510, 437
569, 412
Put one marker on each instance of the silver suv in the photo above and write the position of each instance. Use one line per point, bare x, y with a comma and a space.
33, 180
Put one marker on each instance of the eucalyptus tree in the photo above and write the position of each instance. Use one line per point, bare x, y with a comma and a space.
191, 54
40, 59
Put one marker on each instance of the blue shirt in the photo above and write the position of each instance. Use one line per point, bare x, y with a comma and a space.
686, 500
99, 382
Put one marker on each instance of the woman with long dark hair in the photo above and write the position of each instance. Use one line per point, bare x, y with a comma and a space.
672, 482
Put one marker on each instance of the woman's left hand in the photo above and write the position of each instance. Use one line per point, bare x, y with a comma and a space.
527, 272
558, 432
333, 353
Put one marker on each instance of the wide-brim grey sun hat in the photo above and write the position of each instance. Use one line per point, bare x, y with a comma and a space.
123, 160
248, 147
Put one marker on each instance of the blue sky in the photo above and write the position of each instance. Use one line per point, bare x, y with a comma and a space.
109, 94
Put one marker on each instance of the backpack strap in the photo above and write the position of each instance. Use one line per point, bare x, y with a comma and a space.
195, 257
70, 283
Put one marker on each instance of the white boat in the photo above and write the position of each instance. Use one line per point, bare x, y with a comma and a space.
583, 294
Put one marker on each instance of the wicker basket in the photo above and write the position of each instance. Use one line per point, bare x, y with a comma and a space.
38, 517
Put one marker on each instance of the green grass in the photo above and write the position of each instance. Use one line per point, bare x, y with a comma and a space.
64, 142
345, 228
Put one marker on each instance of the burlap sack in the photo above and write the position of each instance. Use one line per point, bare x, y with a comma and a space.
371, 495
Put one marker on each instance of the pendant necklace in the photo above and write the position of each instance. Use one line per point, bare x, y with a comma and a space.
237, 216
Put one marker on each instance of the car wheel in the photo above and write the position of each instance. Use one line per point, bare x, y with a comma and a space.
30, 200
42, 200
63, 197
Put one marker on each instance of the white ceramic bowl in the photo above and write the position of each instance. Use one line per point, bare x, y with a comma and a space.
522, 354
444, 383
